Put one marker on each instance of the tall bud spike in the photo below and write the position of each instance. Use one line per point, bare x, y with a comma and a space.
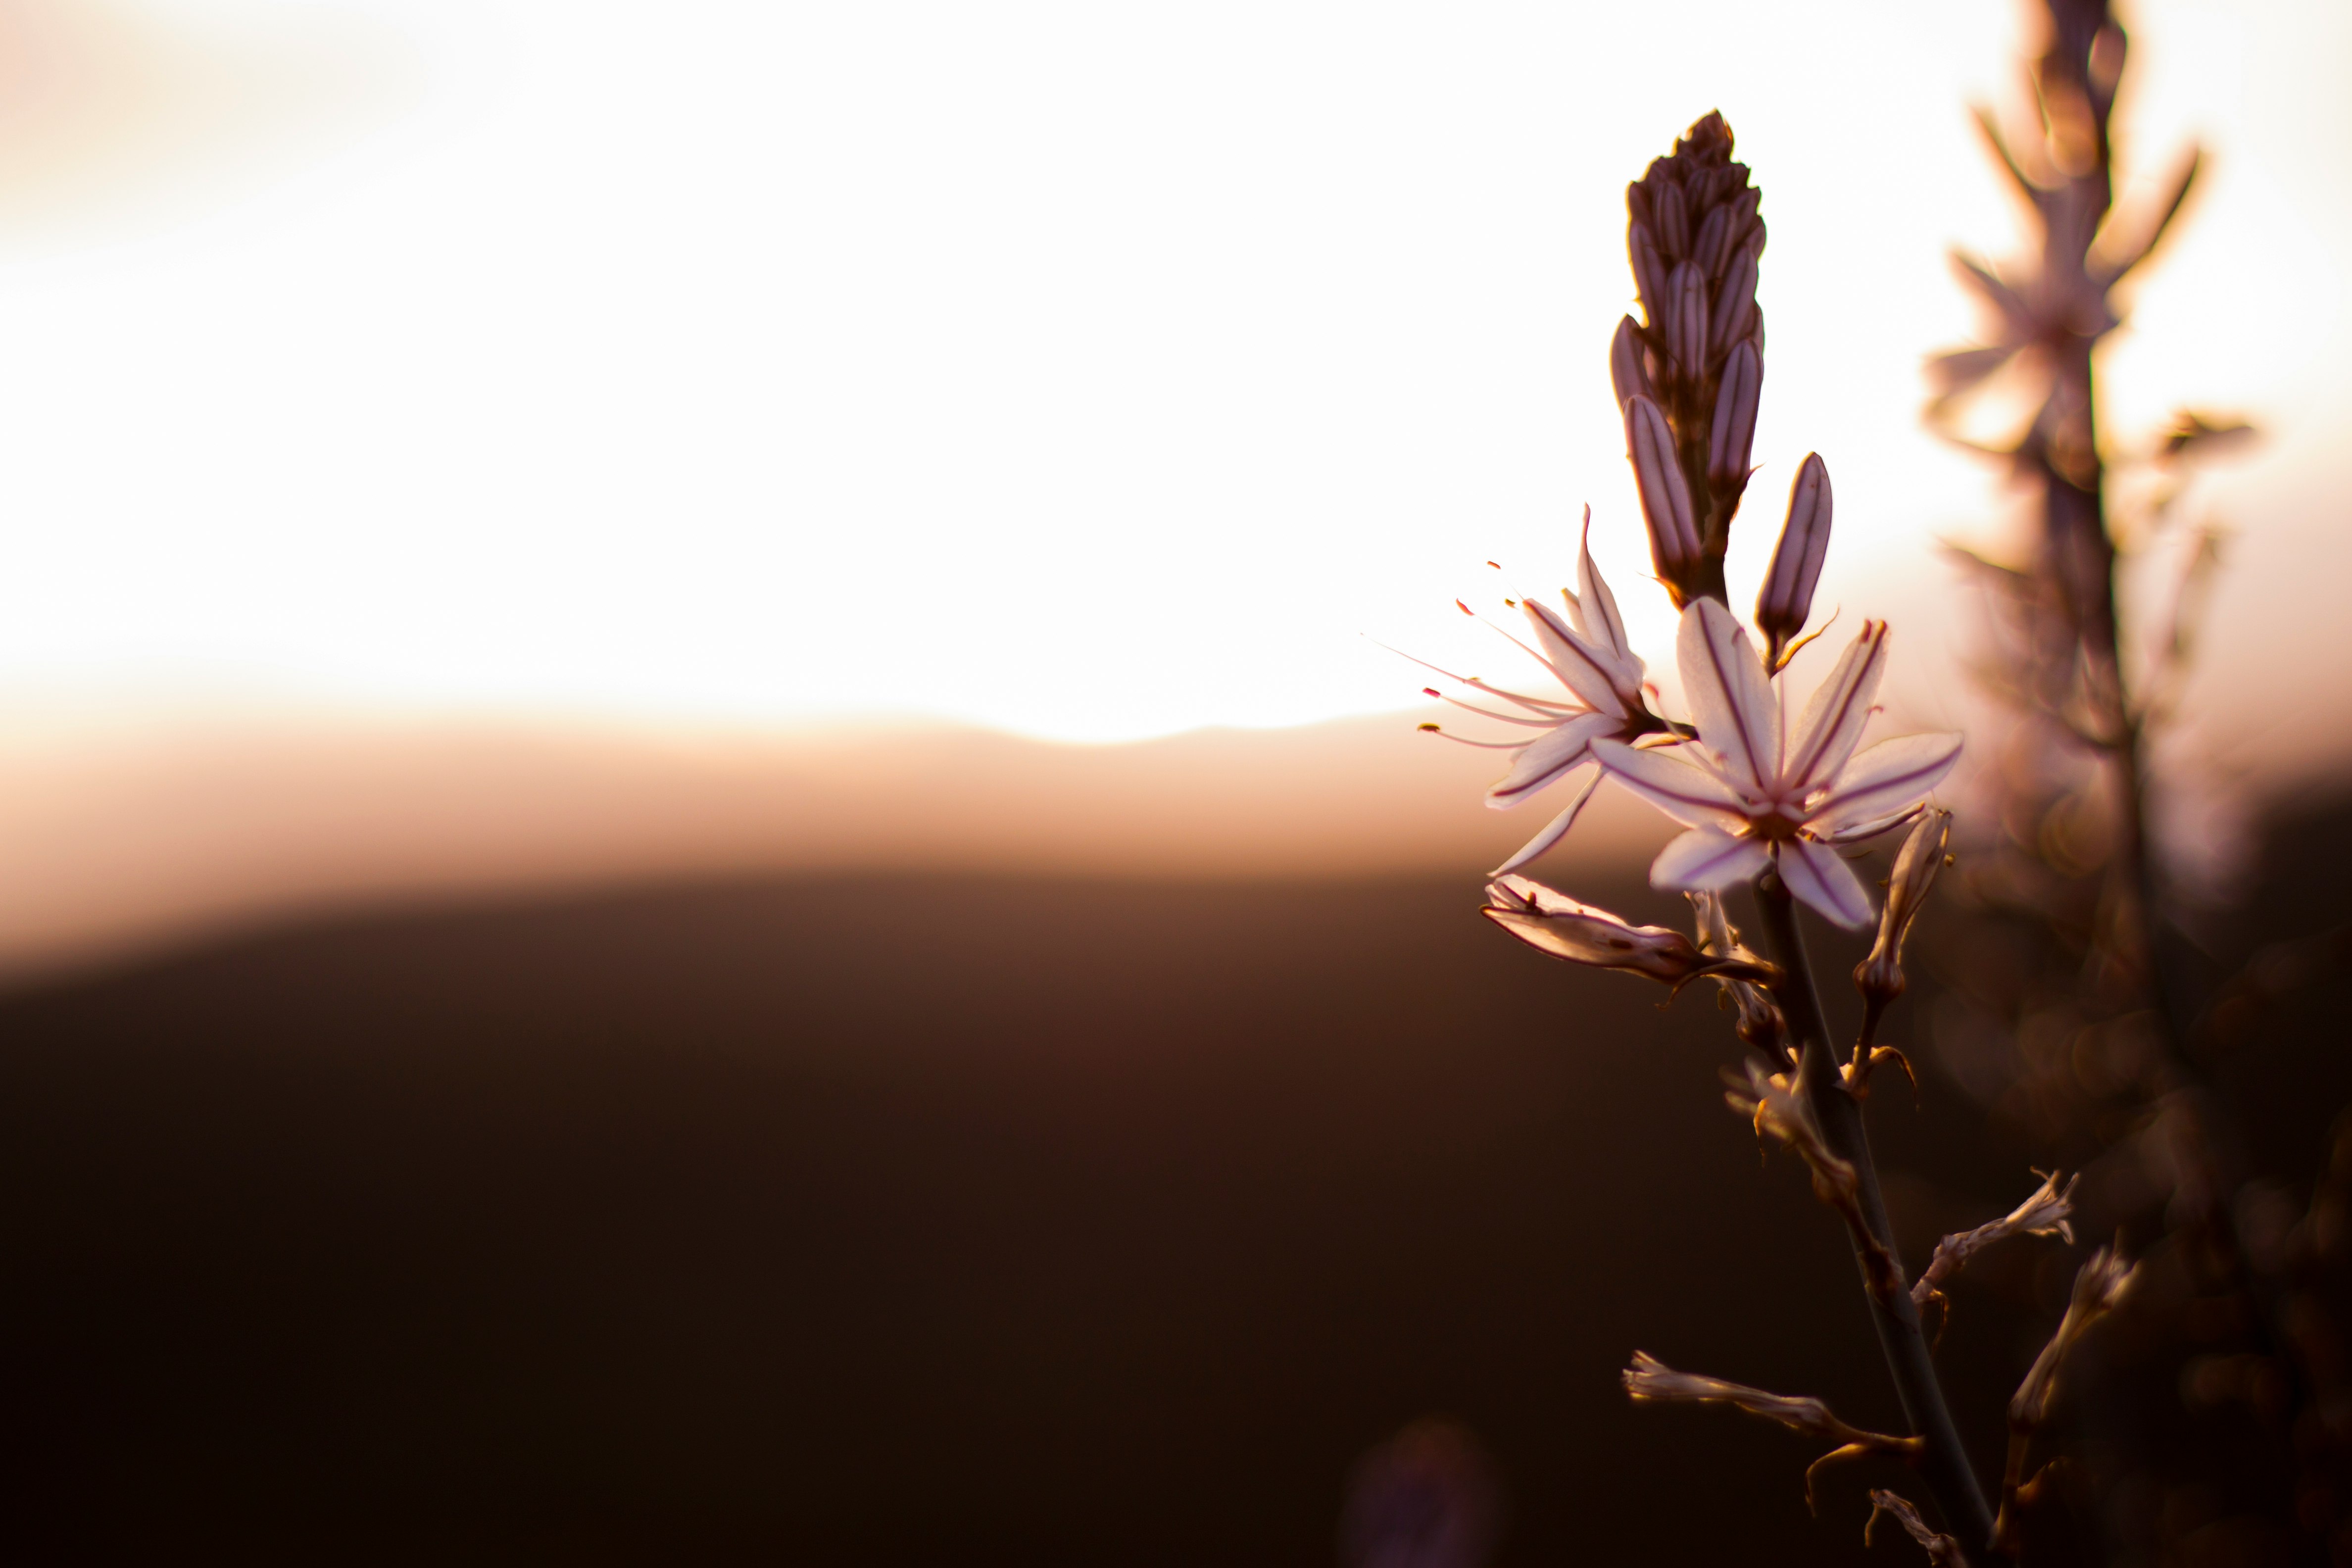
1693, 237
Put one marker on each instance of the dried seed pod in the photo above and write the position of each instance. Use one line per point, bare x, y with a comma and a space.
1736, 397
1783, 608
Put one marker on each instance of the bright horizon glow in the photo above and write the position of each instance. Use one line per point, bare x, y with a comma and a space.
1090, 372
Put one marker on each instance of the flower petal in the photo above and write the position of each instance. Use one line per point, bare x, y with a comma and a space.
1885, 780
1707, 858
1731, 697
1815, 874
1554, 830
1684, 790
1848, 830
1581, 668
1603, 624
1545, 758
1833, 719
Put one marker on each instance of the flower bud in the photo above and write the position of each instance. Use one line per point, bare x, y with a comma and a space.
1553, 922
1649, 272
1879, 977
1783, 608
1627, 374
1737, 397
1745, 205
1672, 213
1712, 243
1685, 324
1666, 494
1735, 305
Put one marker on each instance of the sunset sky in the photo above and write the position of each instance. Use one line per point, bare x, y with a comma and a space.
1090, 371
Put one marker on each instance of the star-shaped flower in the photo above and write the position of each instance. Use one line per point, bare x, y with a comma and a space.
1748, 799
1587, 651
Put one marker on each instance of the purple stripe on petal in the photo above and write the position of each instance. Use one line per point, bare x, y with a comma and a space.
1731, 697
1540, 761
1886, 778
1689, 794
1815, 873
1840, 709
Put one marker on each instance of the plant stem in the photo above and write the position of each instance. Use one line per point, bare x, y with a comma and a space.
1945, 1464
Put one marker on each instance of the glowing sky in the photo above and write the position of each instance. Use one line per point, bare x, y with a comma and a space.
1091, 371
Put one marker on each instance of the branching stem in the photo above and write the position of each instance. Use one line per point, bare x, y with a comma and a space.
1943, 1463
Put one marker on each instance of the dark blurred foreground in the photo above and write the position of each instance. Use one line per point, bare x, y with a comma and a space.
939, 1221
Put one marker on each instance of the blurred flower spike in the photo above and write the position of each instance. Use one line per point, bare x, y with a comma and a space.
1748, 800
1553, 922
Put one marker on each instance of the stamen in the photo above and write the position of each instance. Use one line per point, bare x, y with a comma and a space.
1546, 723
1481, 745
1516, 643
1532, 704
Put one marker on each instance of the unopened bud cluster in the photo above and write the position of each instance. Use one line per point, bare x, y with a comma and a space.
1690, 376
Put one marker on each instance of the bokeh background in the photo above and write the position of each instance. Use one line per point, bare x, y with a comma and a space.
708, 843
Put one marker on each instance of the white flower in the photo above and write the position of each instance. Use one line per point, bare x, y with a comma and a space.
1748, 799
1588, 653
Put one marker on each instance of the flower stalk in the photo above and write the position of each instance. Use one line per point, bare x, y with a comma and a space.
1768, 802
1943, 1461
